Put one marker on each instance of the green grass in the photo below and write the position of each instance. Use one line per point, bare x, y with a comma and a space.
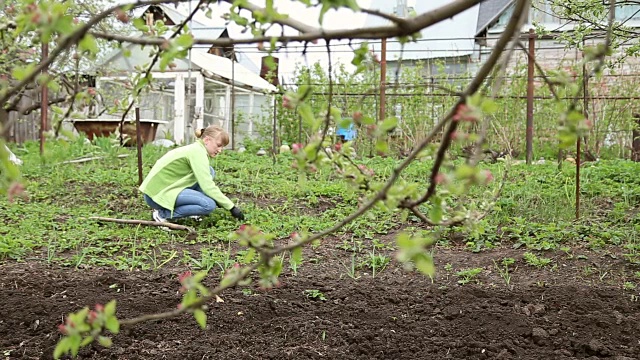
536, 209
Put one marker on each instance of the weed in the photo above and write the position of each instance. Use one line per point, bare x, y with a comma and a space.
314, 294
377, 244
155, 258
448, 267
504, 270
354, 246
247, 292
295, 259
567, 250
588, 270
210, 258
351, 268
533, 260
375, 262
628, 285
467, 275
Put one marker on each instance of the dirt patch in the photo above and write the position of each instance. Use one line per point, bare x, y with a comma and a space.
396, 315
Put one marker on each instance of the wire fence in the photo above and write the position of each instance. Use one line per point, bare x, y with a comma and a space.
422, 86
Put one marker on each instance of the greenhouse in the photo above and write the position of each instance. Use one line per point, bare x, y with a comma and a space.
200, 90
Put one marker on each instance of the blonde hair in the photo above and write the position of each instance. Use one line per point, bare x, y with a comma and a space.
214, 132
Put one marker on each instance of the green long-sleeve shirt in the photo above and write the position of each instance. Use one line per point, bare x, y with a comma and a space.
179, 169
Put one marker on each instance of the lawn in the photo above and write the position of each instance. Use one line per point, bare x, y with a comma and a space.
527, 281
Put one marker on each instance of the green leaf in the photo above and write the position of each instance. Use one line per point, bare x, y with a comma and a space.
368, 120
112, 324
436, 212
325, 7
227, 281
110, 308
61, 348
296, 256
345, 122
165, 59
86, 341
141, 83
465, 171
250, 255
88, 43
489, 106
575, 116
201, 318
64, 24
74, 344
189, 298
389, 124
404, 241
53, 86
199, 276
105, 341
382, 146
359, 56
424, 264
140, 25
21, 72
306, 112
184, 40
276, 268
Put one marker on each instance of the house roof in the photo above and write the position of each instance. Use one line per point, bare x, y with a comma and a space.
202, 27
449, 38
246, 71
223, 69
489, 12
211, 66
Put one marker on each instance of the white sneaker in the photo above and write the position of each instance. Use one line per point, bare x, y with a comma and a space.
157, 218
196, 218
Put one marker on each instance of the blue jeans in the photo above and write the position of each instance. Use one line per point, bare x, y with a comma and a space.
190, 202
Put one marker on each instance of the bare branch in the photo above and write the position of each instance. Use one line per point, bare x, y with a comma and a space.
28, 109
76, 89
402, 23
145, 222
542, 72
413, 25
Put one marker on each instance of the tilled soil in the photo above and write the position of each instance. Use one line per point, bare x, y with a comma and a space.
541, 314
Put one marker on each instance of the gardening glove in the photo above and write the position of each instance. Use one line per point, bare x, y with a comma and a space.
237, 213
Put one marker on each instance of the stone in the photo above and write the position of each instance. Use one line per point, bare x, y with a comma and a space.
539, 335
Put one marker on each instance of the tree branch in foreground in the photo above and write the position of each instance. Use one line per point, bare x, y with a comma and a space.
413, 25
475, 85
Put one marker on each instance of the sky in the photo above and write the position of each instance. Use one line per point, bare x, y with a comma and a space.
288, 58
